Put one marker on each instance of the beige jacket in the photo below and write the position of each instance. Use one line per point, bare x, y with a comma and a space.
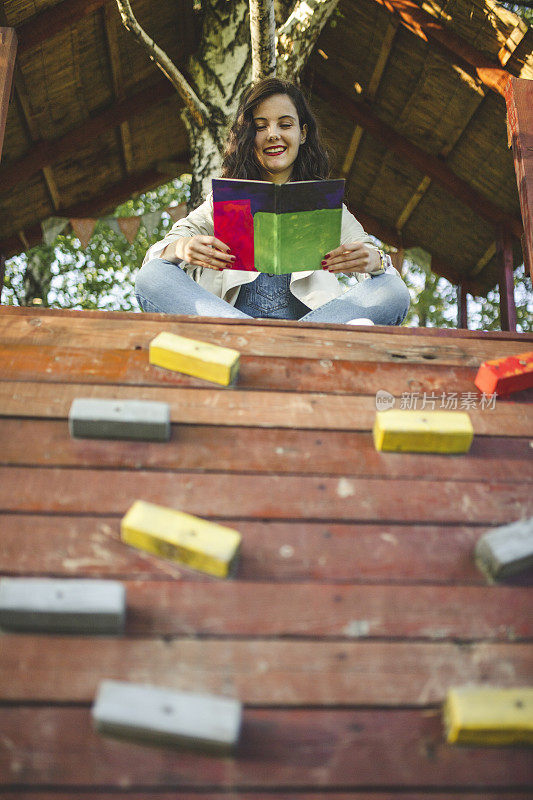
313, 288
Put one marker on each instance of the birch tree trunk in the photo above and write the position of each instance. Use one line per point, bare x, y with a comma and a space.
220, 70
263, 39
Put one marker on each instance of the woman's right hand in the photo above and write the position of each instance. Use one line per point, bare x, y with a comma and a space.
204, 251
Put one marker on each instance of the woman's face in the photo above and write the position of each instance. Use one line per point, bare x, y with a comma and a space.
278, 137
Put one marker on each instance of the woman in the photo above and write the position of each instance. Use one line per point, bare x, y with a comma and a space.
274, 138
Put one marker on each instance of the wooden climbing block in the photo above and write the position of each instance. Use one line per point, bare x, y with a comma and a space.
484, 715
423, 431
196, 543
200, 359
99, 418
165, 716
62, 605
506, 375
507, 550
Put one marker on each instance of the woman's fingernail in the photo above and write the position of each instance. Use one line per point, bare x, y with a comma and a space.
324, 263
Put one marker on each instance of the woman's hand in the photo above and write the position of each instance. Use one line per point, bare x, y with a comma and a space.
352, 257
204, 251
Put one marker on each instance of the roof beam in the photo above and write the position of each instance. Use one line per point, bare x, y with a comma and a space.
512, 42
519, 136
35, 135
428, 28
427, 164
423, 187
46, 24
487, 256
96, 206
442, 268
46, 153
111, 24
31, 126
8, 50
373, 85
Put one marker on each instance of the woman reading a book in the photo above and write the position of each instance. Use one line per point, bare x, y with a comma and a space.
274, 138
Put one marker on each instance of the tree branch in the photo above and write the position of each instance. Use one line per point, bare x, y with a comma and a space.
263, 36
195, 106
297, 37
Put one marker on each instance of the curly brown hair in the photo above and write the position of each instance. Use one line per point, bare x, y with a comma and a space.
312, 162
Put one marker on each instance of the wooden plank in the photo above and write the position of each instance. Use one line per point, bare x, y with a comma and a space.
58, 490
333, 342
279, 748
51, 363
271, 551
259, 672
8, 50
240, 608
46, 315
274, 795
315, 411
30, 442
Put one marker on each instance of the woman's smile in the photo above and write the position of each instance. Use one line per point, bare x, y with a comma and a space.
274, 151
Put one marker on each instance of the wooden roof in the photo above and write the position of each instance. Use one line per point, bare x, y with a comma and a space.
356, 603
423, 143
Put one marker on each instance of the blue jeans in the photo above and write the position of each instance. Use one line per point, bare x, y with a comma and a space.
162, 286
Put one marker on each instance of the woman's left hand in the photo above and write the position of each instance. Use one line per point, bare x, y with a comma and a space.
352, 257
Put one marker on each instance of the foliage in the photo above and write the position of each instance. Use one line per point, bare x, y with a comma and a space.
484, 314
434, 301
101, 276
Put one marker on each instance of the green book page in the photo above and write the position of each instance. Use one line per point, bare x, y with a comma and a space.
265, 242
296, 241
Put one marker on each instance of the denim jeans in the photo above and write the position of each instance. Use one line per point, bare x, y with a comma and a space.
162, 286
270, 296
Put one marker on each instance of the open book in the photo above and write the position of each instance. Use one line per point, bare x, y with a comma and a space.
278, 228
